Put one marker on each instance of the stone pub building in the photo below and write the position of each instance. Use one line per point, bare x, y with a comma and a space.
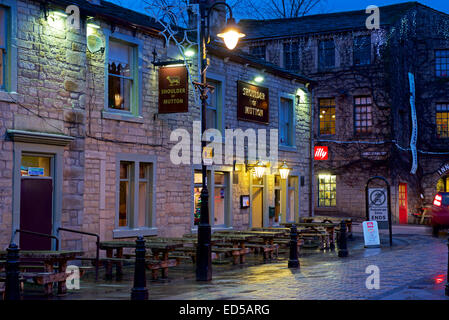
84, 146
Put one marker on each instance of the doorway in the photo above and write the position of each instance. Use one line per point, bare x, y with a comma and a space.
36, 201
257, 203
403, 212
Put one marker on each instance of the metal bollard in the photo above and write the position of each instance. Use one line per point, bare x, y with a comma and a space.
12, 285
293, 261
139, 290
342, 245
447, 279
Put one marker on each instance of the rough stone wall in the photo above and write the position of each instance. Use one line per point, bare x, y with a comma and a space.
61, 90
45, 101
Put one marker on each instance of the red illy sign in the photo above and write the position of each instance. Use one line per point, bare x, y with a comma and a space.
321, 153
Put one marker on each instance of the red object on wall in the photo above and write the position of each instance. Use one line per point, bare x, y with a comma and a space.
403, 212
321, 153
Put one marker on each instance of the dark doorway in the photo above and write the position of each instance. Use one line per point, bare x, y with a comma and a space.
36, 201
36, 197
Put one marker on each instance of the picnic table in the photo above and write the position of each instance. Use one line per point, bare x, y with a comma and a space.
323, 219
50, 275
267, 246
328, 226
237, 242
159, 250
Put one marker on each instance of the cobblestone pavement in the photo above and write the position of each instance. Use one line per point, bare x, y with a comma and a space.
414, 268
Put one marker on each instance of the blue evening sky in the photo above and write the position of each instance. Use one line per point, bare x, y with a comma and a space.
326, 6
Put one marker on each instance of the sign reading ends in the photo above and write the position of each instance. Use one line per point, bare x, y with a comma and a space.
173, 90
377, 204
252, 102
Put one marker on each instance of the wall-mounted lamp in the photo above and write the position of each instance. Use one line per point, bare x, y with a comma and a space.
189, 53
257, 169
284, 171
258, 79
57, 19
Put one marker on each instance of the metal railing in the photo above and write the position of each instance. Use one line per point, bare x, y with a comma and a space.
97, 257
44, 235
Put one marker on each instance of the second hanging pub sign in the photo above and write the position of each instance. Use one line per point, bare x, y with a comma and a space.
173, 90
252, 102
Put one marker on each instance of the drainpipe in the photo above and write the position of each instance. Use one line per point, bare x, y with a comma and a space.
311, 154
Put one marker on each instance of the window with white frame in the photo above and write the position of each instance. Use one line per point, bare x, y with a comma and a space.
122, 77
363, 117
327, 190
219, 198
135, 194
286, 122
214, 106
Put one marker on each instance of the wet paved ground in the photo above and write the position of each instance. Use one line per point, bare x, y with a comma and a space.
415, 268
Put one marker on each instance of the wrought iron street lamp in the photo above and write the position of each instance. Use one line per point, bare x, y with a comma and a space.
231, 35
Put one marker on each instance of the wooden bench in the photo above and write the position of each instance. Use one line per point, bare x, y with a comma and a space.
269, 250
151, 264
324, 239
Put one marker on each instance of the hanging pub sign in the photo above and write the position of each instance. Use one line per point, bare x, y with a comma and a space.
252, 102
173, 90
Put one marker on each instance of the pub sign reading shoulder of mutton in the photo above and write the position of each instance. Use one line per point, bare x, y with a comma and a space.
252, 102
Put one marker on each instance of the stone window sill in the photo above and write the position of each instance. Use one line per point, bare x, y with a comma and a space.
195, 229
127, 233
122, 117
8, 96
287, 148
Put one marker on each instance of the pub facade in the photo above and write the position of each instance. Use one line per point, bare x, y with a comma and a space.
87, 141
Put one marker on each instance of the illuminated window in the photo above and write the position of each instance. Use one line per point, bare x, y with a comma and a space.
327, 116
362, 50
219, 198
326, 54
135, 194
291, 56
442, 120
327, 191
258, 51
363, 118
442, 63
122, 77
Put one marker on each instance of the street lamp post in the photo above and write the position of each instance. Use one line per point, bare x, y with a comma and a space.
230, 36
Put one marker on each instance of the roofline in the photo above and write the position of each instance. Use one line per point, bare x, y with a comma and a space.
111, 18
233, 56
331, 30
318, 15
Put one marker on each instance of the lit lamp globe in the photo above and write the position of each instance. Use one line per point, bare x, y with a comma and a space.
231, 34
259, 169
284, 170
